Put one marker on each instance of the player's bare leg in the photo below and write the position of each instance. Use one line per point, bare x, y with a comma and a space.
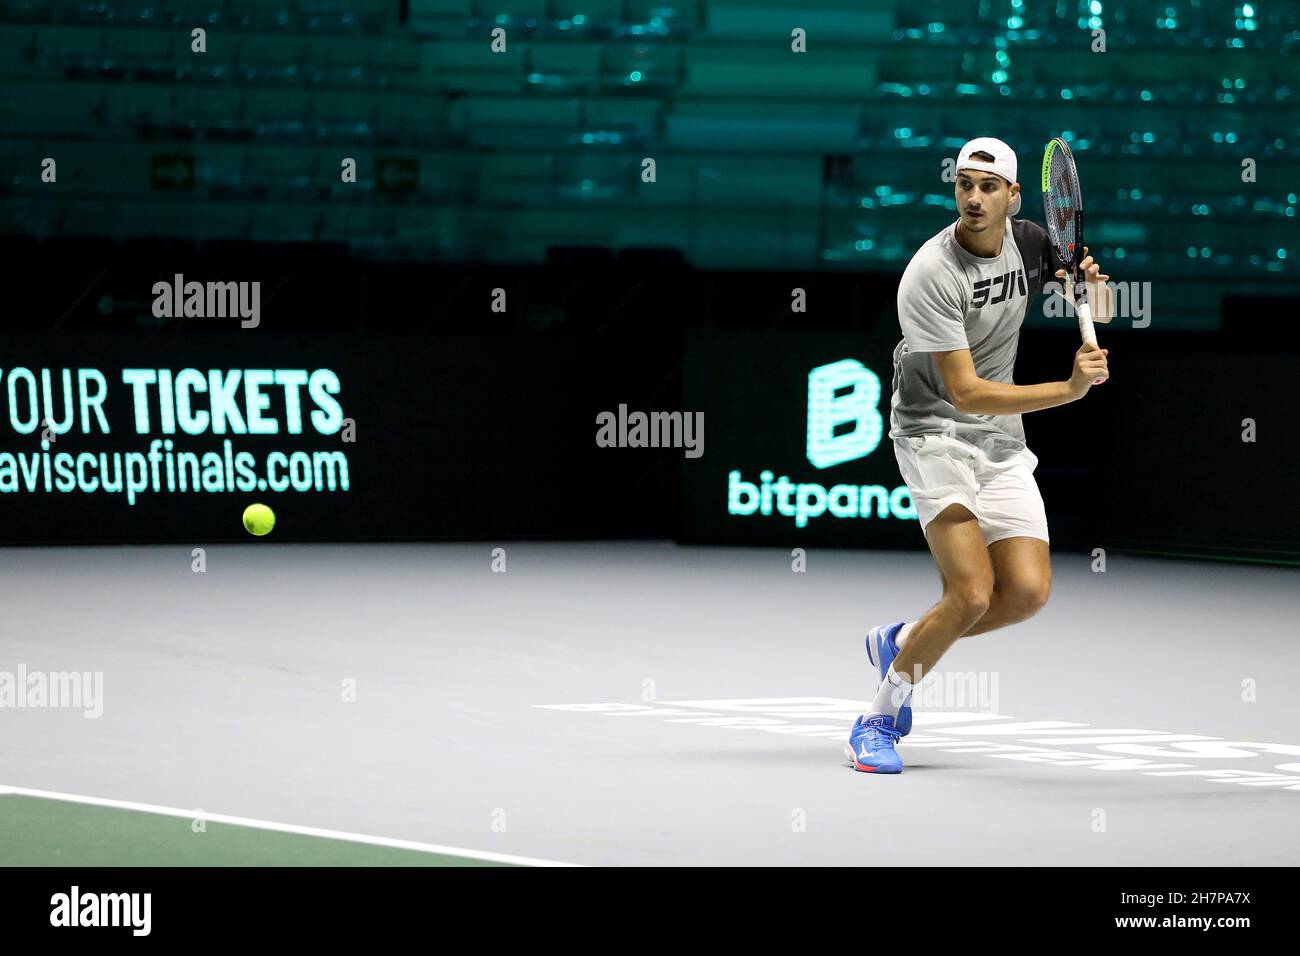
967, 568
1022, 581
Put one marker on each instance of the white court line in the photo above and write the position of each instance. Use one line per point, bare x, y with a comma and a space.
282, 827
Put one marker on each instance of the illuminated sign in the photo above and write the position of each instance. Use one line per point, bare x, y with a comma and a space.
828, 410
69, 406
135, 436
841, 393
802, 442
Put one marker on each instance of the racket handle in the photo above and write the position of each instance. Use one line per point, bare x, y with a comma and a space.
1084, 312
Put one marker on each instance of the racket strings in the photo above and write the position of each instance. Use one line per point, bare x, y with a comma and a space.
1061, 208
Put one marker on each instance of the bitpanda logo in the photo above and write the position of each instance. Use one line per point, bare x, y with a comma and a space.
844, 424
843, 393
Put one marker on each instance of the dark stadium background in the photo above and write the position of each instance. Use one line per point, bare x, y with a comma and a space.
522, 170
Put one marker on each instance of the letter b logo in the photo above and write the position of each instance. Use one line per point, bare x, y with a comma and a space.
831, 406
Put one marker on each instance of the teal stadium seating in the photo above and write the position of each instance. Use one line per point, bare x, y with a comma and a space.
766, 159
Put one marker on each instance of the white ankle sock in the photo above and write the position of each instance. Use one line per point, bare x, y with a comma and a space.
891, 695
903, 631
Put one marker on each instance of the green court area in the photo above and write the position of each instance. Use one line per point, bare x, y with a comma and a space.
36, 831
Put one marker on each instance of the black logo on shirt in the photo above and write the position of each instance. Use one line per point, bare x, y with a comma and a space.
1009, 285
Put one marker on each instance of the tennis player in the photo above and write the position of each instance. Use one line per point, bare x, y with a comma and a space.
955, 422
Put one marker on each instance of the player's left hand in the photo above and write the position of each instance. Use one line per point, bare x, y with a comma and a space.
1092, 272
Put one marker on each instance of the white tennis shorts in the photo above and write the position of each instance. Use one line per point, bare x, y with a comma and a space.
1003, 496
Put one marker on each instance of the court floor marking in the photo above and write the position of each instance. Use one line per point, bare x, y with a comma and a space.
251, 823
1124, 749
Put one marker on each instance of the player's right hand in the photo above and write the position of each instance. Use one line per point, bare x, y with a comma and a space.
1089, 367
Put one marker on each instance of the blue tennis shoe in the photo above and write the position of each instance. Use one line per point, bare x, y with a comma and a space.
881, 651
871, 745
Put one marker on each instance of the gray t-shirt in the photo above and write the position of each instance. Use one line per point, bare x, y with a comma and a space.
950, 299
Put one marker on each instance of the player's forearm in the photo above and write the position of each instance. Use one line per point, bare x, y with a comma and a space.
998, 398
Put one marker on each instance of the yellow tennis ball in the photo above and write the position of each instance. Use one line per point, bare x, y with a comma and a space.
259, 519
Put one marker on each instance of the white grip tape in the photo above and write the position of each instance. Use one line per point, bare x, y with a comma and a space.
1084, 311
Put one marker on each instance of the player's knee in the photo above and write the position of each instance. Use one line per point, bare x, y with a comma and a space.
1027, 598
972, 599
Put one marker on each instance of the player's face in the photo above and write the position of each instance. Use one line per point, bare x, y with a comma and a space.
982, 199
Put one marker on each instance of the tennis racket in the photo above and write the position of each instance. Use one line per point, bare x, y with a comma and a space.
1063, 206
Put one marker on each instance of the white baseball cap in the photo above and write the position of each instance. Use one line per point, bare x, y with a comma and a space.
1004, 162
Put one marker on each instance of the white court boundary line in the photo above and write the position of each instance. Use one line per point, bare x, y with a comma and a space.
252, 824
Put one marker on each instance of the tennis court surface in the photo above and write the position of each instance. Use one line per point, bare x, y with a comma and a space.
404, 705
